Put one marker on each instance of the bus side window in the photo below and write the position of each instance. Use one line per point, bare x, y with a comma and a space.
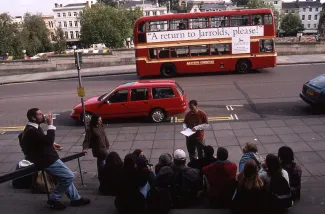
200, 50
141, 33
219, 21
180, 51
178, 24
220, 49
257, 20
198, 23
163, 53
240, 20
152, 53
266, 45
141, 27
268, 19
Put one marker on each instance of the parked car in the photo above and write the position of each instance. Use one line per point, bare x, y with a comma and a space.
156, 99
313, 91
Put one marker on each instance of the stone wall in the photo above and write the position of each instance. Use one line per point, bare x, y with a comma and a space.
300, 48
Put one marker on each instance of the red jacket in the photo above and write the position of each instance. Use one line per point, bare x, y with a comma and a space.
221, 176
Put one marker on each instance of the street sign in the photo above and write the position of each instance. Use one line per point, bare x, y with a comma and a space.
81, 91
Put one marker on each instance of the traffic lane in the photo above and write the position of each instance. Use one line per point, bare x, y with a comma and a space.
298, 73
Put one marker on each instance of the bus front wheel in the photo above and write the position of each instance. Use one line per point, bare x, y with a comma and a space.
243, 66
168, 70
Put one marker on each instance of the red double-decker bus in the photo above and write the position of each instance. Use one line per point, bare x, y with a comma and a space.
235, 40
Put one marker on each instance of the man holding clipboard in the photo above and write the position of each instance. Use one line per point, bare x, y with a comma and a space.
194, 124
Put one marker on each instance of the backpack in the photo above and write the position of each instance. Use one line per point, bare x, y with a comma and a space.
280, 193
38, 186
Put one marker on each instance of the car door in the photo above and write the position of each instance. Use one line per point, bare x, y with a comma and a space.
115, 105
139, 102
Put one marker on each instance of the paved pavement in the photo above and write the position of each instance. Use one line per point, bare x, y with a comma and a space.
305, 135
130, 69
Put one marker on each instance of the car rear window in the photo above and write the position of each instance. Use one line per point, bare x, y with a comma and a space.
179, 89
162, 92
318, 82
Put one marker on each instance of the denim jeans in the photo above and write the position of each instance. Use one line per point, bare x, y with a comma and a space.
193, 144
64, 177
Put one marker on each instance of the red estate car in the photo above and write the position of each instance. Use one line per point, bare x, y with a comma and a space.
156, 99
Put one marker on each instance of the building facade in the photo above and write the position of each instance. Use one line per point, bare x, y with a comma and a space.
67, 18
308, 11
149, 8
50, 25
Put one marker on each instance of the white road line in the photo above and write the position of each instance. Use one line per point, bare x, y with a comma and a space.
236, 117
231, 117
227, 108
231, 108
171, 119
176, 120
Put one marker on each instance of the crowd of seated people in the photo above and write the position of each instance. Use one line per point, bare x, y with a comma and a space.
257, 185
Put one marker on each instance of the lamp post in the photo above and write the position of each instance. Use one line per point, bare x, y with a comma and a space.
24, 52
81, 91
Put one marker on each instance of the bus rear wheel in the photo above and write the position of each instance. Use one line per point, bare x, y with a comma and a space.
168, 70
243, 66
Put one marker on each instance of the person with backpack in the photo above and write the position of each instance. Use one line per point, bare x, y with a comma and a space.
277, 185
40, 149
221, 180
250, 153
96, 139
285, 154
205, 161
250, 194
187, 181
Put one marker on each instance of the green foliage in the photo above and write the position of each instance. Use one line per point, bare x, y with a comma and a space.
321, 22
291, 24
108, 25
59, 40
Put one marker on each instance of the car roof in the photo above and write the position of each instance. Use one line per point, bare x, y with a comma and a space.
147, 83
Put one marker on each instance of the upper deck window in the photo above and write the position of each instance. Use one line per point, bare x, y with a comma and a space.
219, 21
240, 20
199, 23
268, 19
178, 24
154, 26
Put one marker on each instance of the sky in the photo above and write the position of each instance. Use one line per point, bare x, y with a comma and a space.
20, 7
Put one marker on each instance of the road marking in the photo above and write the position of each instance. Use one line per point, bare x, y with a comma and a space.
236, 117
231, 107
180, 120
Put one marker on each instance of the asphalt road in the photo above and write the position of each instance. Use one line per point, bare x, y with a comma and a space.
268, 93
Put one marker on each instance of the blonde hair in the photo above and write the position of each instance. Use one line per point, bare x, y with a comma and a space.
249, 179
250, 147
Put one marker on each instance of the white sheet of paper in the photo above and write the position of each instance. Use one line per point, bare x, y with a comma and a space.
187, 132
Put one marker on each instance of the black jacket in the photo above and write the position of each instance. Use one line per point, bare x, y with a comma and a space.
38, 147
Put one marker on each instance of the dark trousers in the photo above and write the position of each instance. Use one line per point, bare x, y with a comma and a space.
192, 144
100, 164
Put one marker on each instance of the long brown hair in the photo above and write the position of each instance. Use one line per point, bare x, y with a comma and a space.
249, 178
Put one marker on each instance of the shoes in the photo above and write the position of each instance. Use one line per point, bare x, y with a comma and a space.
80, 202
56, 205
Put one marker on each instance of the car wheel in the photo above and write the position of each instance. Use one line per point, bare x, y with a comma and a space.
168, 70
87, 117
158, 115
243, 66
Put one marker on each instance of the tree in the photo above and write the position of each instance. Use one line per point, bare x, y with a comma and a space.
240, 2
291, 24
59, 40
108, 25
10, 39
261, 4
35, 35
321, 22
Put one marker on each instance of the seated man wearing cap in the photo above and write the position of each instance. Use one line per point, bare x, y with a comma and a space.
221, 180
165, 159
185, 195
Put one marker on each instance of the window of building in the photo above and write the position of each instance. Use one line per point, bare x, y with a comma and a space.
316, 9
70, 23
304, 9
69, 13
179, 51
219, 21
315, 17
76, 23
266, 45
77, 35
198, 23
309, 17
240, 20
308, 26
315, 25
147, 13
162, 93
178, 24
310, 9
119, 96
303, 25
154, 13
275, 2
303, 17
139, 94
65, 24
71, 35
64, 15
80, 13
52, 36
219, 49
195, 10
154, 26
200, 50
60, 24
292, 11
267, 19
75, 14
66, 34
58, 14
286, 11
